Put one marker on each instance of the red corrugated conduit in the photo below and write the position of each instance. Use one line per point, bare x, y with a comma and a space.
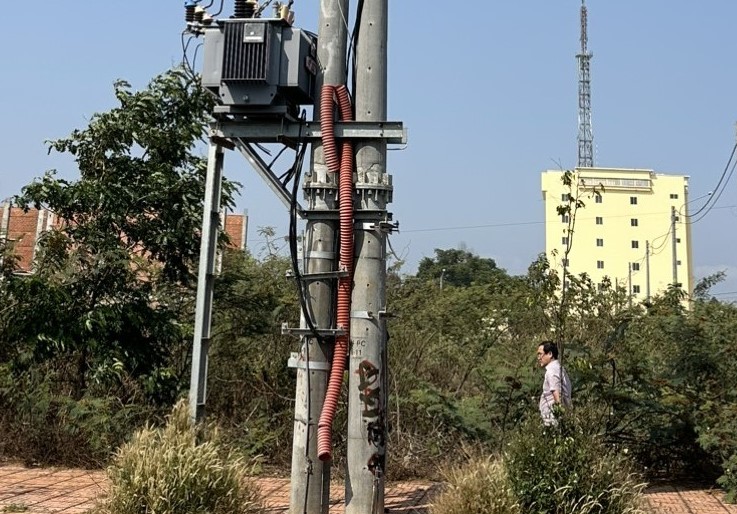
343, 166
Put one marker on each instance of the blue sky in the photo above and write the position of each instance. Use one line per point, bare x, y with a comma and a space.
488, 91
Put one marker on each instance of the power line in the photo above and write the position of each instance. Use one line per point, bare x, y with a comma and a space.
717, 193
521, 224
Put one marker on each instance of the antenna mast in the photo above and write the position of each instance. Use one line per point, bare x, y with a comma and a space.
585, 131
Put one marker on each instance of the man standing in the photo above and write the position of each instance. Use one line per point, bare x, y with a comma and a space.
556, 386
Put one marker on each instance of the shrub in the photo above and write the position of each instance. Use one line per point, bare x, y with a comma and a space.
729, 479
568, 469
480, 487
179, 469
42, 426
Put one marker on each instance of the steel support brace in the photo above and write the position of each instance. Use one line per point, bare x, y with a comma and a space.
393, 132
205, 282
264, 172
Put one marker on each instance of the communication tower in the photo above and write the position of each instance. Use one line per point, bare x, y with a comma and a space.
585, 131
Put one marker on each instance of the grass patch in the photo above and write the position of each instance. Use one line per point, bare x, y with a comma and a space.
566, 469
180, 469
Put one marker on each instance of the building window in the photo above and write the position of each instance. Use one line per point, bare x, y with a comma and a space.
635, 266
635, 244
633, 200
635, 289
673, 196
678, 240
599, 264
565, 218
598, 199
678, 263
566, 262
564, 197
599, 220
599, 242
564, 241
633, 222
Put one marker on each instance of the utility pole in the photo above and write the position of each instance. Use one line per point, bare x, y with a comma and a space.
206, 282
260, 95
367, 384
674, 242
629, 282
647, 271
585, 129
310, 484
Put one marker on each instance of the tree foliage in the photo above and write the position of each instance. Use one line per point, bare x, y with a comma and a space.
107, 310
458, 267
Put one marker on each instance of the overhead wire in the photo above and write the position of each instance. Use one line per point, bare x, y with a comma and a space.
718, 196
514, 224
717, 192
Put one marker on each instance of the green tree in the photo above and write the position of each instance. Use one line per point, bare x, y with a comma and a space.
458, 267
108, 310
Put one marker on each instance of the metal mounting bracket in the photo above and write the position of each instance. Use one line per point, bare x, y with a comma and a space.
280, 130
331, 332
326, 275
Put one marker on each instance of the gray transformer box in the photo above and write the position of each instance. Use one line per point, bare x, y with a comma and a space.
263, 64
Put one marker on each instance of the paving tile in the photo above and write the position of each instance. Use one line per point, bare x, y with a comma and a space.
70, 491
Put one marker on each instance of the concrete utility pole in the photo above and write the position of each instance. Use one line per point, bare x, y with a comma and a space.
674, 242
367, 385
629, 282
310, 484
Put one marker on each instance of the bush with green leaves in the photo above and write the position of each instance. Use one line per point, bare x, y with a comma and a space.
567, 469
179, 469
42, 425
728, 480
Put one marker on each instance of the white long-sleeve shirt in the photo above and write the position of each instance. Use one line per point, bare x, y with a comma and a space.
556, 379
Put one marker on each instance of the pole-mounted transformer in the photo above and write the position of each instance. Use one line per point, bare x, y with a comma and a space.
256, 66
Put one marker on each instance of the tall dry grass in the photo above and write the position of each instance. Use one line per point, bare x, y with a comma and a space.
179, 469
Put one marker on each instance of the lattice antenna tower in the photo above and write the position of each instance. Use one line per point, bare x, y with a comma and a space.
585, 130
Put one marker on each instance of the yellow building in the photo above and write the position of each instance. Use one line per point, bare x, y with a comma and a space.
624, 230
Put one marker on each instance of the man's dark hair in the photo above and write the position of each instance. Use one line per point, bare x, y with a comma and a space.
550, 347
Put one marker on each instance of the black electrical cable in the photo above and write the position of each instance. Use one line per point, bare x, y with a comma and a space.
293, 243
262, 8
299, 160
718, 195
194, 60
354, 46
263, 148
711, 198
185, 60
222, 2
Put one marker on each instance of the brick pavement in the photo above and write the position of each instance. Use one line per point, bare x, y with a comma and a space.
74, 491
